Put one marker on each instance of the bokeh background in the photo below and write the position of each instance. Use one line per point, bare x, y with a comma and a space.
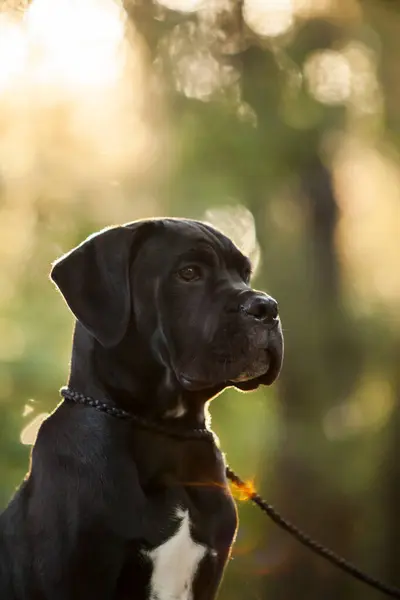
279, 122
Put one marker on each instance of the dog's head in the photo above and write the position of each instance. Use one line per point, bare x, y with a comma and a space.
183, 287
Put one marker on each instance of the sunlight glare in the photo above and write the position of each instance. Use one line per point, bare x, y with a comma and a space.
237, 222
183, 5
13, 52
308, 9
269, 18
329, 76
244, 492
345, 76
367, 184
29, 433
27, 410
72, 94
75, 43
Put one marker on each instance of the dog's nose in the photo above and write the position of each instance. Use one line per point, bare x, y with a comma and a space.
261, 307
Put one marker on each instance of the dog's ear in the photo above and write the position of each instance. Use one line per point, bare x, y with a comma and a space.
94, 279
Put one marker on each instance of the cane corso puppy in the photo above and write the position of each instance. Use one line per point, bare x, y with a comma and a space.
112, 510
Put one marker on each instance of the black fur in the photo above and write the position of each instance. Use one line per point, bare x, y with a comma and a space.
147, 340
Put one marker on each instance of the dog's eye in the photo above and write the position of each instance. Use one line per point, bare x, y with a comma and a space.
190, 273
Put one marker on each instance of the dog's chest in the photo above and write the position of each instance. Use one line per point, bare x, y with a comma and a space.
176, 562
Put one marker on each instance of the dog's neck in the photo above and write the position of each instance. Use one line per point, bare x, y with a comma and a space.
141, 386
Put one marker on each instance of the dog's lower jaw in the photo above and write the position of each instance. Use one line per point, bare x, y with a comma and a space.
243, 371
258, 369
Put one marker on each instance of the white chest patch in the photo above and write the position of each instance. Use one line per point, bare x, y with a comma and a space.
175, 563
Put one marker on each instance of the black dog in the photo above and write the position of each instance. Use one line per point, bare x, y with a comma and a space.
112, 510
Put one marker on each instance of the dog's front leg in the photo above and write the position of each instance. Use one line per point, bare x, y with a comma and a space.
183, 563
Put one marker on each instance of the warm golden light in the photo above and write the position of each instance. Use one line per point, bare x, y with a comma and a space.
63, 44
367, 185
345, 76
71, 88
273, 18
29, 433
13, 52
329, 76
244, 492
237, 222
76, 127
74, 43
184, 5
269, 18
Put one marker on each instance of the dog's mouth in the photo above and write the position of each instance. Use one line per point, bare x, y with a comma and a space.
263, 370
258, 368
270, 374
257, 360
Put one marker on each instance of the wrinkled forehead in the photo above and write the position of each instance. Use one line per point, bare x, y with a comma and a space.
186, 238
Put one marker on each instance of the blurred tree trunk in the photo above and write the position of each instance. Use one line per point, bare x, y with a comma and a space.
310, 577
391, 482
307, 387
384, 17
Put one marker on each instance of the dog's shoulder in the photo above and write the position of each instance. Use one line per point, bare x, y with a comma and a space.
71, 434
78, 450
